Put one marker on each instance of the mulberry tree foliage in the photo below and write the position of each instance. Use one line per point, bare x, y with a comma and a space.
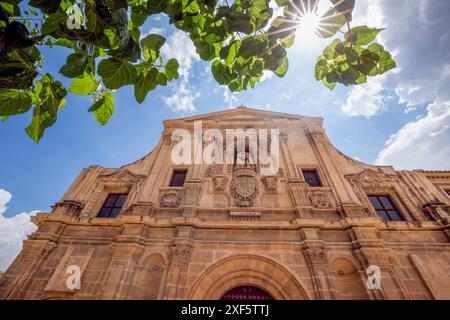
241, 38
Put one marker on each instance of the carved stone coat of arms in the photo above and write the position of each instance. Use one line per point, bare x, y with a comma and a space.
244, 187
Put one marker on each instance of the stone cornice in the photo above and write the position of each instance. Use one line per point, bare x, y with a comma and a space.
297, 224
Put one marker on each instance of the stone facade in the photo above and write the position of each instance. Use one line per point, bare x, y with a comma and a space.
221, 231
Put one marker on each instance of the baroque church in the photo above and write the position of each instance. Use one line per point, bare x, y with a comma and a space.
324, 226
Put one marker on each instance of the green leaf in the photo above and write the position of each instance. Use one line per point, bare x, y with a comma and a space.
151, 45
320, 70
54, 22
282, 68
344, 7
172, 69
116, 73
288, 41
84, 85
75, 65
14, 101
330, 86
330, 23
205, 50
145, 83
47, 6
51, 95
221, 73
362, 35
103, 109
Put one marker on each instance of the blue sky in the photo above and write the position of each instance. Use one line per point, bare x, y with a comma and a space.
401, 119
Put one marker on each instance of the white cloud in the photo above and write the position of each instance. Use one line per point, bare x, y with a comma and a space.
178, 45
182, 100
421, 144
266, 75
366, 100
13, 231
229, 97
418, 35
5, 197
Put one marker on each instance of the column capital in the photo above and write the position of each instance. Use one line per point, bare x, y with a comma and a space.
180, 253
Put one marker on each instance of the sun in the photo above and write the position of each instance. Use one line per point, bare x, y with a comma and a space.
308, 25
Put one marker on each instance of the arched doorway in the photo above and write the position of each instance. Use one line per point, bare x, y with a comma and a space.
243, 293
246, 270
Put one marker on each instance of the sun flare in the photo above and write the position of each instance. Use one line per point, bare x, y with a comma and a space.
308, 25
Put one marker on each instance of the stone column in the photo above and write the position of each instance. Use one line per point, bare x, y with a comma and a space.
180, 255
20, 274
119, 275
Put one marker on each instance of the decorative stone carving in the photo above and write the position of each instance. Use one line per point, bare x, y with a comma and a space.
170, 200
321, 200
244, 186
316, 254
220, 183
270, 183
372, 179
68, 208
180, 253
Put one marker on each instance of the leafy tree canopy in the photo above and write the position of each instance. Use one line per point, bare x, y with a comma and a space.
241, 38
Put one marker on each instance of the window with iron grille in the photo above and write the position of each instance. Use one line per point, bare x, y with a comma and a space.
312, 178
385, 208
178, 178
113, 205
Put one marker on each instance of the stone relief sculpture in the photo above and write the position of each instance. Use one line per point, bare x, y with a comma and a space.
321, 200
170, 200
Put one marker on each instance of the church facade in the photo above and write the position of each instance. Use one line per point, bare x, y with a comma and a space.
323, 226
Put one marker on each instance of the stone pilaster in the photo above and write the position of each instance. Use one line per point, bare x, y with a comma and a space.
20, 274
121, 270
369, 250
180, 255
316, 257
192, 192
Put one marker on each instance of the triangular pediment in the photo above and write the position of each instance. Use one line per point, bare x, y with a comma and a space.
243, 113
369, 175
121, 174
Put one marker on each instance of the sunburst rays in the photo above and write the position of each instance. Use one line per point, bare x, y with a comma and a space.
305, 18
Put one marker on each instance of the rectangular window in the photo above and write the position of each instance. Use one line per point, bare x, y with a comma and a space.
385, 208
312, 178
178, 178
112, 206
